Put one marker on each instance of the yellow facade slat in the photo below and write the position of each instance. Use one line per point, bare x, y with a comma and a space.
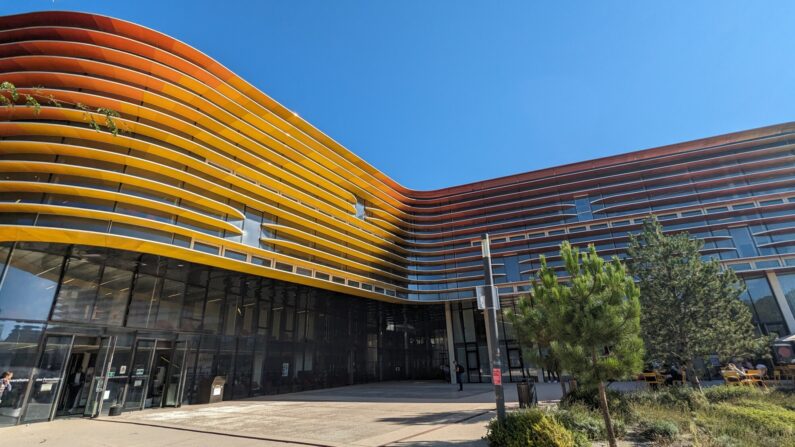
85, 133
117, 177
338, 247
79, 191
330, 257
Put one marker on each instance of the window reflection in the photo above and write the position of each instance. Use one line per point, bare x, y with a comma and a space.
29, 283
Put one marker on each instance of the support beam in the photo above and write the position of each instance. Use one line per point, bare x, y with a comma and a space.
448, 318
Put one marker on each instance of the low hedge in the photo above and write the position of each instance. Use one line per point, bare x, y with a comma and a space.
529, 428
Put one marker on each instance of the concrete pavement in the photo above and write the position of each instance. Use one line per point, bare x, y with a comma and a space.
382, 414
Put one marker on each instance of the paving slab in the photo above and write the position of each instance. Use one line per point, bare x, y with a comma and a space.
362, 415
383, 414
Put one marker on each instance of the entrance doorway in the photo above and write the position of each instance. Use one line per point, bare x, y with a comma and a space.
81, 375
157, 374
78, 377
70, 377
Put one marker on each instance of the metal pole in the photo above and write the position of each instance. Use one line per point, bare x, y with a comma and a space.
492, 335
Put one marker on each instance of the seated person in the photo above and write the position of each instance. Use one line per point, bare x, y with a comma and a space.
762, 368
674, 374
732, 367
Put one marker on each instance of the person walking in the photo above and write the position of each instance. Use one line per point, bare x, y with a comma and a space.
459, 374
5, 383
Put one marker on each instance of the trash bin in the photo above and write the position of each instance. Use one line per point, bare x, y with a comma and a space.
525, 391
211, 391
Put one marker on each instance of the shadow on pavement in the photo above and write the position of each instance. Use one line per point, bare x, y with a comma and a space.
457, 417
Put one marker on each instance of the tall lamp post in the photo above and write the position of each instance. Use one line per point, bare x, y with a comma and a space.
490, 307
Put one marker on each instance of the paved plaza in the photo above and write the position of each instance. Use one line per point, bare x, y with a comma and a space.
382, 414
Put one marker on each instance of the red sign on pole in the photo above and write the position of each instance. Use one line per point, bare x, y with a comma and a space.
496, 376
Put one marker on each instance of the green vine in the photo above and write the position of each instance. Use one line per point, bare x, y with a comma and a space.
10, 97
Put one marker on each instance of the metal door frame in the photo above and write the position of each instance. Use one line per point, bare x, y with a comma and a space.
182, 374
151, 362
32, 381
97, 394
133, 353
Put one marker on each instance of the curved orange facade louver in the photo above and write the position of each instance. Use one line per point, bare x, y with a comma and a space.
210, 169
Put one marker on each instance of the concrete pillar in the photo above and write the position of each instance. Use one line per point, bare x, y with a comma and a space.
778, 292
448, 318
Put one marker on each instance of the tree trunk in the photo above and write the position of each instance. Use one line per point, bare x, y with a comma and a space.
611, 436
692, 376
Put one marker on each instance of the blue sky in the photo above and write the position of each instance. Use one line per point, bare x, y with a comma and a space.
439, 93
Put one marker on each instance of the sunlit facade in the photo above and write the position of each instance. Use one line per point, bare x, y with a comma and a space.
223, 233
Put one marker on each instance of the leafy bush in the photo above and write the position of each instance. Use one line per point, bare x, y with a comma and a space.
549, 433
529, 428
589, 422
764, 418
717, 394
617, 401
580, 419
659, 431
676, 396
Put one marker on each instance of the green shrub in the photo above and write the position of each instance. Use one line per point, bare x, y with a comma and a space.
589, 422
659, 431
549, 433
617, 401
680, 397
763, 418
529, 428
580, 419
717, 394
726, 441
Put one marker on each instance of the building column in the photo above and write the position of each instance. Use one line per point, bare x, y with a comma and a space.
778, 292
448, 318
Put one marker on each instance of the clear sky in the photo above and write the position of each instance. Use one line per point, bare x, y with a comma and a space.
438, 93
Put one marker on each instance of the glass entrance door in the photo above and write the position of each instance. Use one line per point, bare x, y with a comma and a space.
81, 371
140, 370
160, 373
175, 382
48, 377
98, 392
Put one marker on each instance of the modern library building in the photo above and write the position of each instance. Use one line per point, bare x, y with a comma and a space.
218, 234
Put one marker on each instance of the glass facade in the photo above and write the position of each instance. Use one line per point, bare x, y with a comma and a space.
173, 326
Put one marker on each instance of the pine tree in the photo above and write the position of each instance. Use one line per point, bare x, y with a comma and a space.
592, 320
533, 335
691, 308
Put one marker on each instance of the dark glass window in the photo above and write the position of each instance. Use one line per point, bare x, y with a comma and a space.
232, 312
17, 218
235, 255
75, 300
743, 242
79, 202
583, 208
76, 223
29, 283
206, 248
140, 232
19, 345
170, 307
261, 261
111, 302
212, 312
143, 304
787, 281
760, 298
193, 309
